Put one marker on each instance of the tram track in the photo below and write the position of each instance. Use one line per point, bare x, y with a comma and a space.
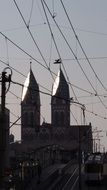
66, 180
72, 180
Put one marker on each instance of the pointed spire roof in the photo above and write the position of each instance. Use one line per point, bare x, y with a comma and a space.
31, 89
60, 87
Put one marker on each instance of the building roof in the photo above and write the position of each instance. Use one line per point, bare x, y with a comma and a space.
31, 89
60, 86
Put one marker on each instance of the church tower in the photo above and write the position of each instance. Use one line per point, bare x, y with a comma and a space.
30, 108
60, 104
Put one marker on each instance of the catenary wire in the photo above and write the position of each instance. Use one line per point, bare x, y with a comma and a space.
23, 52
74, 55
33, 38
32, 59
57, 48
82, 46
17, 71
42, 92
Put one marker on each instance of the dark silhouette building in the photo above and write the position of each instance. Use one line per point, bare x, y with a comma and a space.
59, 131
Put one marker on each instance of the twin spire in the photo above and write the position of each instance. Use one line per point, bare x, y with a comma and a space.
60, 86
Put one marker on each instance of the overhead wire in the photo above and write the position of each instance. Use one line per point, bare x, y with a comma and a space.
74, 117
62, 26
96, 94
21, 74
36, 62
51, 31
12, 68
74, 55
19, 118
15, 122
45, 94
14, 95
32, 59
23, 51
33, 38
95, 114
18, 47
49, 94
68, 44
75, 86
56, 47
76, 36
26, 54
14, 114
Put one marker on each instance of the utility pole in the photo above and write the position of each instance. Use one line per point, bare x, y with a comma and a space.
3, 126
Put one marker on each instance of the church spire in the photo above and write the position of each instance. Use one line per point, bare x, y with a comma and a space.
31, 89
60, 105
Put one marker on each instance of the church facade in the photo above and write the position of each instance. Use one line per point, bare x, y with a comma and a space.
59, 132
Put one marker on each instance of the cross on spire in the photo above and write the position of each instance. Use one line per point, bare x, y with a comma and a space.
58, 61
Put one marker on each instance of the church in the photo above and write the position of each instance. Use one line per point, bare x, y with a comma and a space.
59, 133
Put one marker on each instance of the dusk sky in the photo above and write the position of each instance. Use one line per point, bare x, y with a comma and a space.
42, 31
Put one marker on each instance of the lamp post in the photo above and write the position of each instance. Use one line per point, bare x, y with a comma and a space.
79, 139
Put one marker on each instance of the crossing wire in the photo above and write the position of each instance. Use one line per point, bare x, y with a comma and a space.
33, 38
49, 94
57, 47
74, 55
82, 46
